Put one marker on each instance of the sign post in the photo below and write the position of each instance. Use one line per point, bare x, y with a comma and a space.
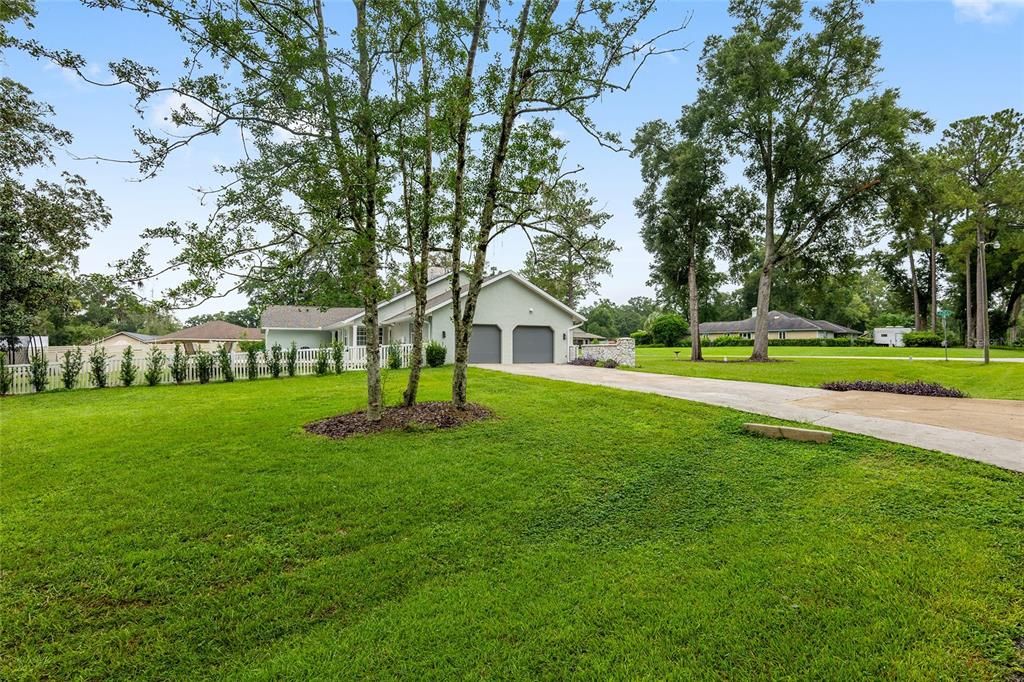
944, 314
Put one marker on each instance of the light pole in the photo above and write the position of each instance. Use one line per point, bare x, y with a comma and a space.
944, 314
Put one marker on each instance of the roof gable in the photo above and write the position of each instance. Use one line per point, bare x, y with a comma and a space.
303, 317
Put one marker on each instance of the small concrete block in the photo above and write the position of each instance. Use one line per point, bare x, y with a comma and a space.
790, 433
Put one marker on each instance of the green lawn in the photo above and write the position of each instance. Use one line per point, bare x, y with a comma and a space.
996, 380
198, 531
856, 351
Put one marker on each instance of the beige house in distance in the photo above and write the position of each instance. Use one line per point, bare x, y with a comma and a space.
781, 325
209, 335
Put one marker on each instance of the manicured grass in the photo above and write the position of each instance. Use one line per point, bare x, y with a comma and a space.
995, 380
198, 531
856, 351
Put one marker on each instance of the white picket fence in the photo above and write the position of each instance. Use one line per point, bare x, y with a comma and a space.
354, 359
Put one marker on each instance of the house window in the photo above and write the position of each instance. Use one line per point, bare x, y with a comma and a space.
361, 335
782, 335
744, 335
884, 335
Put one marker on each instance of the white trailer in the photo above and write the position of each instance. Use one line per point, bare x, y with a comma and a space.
890, 336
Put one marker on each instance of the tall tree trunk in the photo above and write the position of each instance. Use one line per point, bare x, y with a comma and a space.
1013, 310
764, 285
694, 300
933, 284
914, 292
968, 303
460, 331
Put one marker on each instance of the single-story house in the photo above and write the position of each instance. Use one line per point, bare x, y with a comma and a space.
515, 321
889, 336
209, 335
112, 345
582, 338
781, 325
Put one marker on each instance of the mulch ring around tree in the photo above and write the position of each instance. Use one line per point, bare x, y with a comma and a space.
419, 417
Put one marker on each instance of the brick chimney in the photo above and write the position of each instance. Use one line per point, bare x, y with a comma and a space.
753, 312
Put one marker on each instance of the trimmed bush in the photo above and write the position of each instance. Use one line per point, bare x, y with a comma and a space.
204, 366
436, 353
669, 329
179, 365
155, 362
584, 362
394, 357
322, 362
128, 368
292, 360
338, 356
907, 388
71, 367
252, 362
923, 339
642, 337
38, 371
6, 375
98, 367
609, 364
227, 372
274, 361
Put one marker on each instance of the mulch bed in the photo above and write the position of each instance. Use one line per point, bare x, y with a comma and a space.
419, 417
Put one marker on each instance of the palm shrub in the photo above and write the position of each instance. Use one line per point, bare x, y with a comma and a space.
224, 359
179, 365
71, 367
252, 363
436, 353
338, 356
128, 369
98, 367
155, 362
204, 366
38, 371
394, 357
322, 362
292, 359
274, 360
6, 375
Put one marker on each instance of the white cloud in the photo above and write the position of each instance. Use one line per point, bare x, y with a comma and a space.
986, 11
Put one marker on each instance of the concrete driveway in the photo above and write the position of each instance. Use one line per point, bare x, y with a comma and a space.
989, 431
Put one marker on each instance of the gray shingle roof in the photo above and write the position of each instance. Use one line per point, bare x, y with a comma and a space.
304, 317
778, 321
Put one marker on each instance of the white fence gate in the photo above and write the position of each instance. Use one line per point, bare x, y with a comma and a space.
354, 359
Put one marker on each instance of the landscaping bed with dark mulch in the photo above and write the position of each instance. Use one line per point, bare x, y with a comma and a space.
422, 416
903, 388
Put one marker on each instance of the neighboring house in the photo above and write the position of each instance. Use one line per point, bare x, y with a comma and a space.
209, 335
112, 345
781, 325
515, 321
890, 336
582, 338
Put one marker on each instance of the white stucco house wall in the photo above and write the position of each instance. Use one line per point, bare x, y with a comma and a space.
515, 321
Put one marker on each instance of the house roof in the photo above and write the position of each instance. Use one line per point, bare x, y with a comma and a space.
778, 321
141, 338
215, 330
303, 317
580, 334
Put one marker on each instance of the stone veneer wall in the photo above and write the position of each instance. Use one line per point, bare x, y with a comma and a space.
622, 351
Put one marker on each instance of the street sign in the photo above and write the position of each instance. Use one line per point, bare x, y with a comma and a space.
945, 313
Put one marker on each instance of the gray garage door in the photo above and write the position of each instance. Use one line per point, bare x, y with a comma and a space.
533, 344
485, 344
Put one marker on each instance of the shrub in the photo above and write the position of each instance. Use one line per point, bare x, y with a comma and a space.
179, 365
322, 362
71, 367
274, 361
227, 372
98, 367
6, 375
924, 339
642, 337
204, 366
907, 388
394, 356
38, 371
245, 346
292, 359
436, 353
155, 362
338, 356
252, 365
584, 362
128, 369
668, 328
610, 364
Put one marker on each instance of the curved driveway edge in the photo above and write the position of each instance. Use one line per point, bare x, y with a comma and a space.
918, 423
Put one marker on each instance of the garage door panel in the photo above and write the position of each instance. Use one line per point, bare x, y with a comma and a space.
485, 344
533, 344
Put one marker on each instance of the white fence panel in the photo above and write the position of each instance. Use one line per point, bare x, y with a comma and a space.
305, 364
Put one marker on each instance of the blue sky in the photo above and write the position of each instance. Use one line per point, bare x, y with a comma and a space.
950, 58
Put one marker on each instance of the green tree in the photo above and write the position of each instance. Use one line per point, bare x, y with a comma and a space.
128, 368
801, 108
